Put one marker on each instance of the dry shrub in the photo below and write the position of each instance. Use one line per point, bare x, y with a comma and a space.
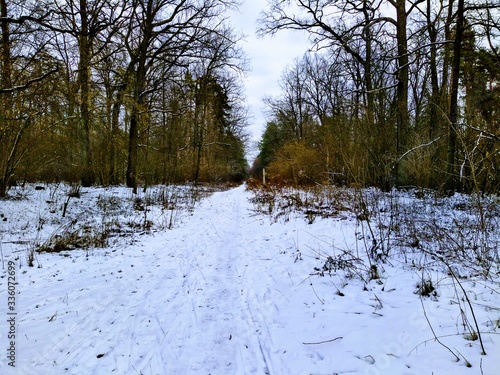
297, 163
420, 163
253, 183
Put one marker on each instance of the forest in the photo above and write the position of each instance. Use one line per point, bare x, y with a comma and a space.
391, 93
372, 246
112, 91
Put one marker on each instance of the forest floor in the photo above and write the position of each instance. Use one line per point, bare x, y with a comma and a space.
243, 282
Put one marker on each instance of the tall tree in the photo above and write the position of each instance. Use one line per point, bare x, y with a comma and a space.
166, 31
344, 24
451, 181
17, 58
403, 117
355, 27
86, 21
7, 154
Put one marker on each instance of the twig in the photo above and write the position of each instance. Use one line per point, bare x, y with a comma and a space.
282, 294
322, 342
416, 148
29, 83
467, 363
470, 306
445, 336
320, 300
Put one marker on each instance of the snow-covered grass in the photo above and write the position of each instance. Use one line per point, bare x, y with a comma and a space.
276, 281
60, 217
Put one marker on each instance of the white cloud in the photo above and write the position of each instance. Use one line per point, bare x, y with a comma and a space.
268, 58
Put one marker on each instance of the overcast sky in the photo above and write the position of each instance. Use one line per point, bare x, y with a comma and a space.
268, 57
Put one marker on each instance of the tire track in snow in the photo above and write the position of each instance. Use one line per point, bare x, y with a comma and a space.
215, 286
122, 326
183, 307
247, 315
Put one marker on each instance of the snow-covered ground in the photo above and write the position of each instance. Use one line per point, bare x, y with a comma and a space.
227, 289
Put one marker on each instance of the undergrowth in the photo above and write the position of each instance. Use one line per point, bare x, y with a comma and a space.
65, 217
463, 230
428, 233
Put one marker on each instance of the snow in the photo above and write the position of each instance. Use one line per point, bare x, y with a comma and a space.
227, 290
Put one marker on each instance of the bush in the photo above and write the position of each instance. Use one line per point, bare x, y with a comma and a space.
297, 163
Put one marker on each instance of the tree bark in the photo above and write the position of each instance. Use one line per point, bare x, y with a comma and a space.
367, 66
138, 100
435, 97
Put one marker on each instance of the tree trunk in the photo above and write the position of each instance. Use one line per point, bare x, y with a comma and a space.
367, 66
6, 77
6, 100
402, 117
435, 101
199, 119
132, 149
115, 115
133, 140
84, 45
447, 50
435, 113
451, 180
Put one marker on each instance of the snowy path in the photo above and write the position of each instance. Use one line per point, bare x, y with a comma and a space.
214, 331
228, 292
177, 303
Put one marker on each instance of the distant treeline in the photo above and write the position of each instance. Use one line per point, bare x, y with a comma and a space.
115, 91
394, 93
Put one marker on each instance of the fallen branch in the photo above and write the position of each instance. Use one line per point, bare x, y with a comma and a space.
322, 342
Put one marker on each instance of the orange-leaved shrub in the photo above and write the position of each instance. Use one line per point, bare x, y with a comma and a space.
297, 163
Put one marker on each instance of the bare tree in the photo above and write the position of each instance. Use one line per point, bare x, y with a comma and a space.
168, 31
353, 26
292, 108
86, 21
14, 119
212, 87
345, 25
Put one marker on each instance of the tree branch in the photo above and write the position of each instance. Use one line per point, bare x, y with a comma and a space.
23, 19
29, 83
417, 147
